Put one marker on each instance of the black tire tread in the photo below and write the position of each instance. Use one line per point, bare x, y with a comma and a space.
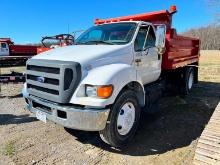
108, 135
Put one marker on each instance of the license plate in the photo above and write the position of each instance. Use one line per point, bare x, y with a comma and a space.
41, 116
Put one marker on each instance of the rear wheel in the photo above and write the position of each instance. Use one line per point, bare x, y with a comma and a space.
188, 81
123, 120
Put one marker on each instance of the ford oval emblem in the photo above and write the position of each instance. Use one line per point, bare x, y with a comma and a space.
41, 79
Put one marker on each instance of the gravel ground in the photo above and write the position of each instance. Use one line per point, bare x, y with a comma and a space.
169, 137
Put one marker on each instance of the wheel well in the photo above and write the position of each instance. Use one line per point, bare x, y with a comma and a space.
136, 86
196, 79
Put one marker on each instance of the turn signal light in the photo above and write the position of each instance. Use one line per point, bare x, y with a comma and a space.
104, 91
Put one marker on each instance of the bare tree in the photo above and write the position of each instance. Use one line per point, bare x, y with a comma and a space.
209, 36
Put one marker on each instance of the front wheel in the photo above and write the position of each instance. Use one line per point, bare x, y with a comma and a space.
123, 120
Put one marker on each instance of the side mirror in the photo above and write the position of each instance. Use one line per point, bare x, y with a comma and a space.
161, 38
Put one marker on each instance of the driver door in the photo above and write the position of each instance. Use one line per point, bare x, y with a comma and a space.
147, 60
4, 50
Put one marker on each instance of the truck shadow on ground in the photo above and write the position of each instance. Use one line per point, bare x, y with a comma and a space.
12, 97
180, 121
6, 119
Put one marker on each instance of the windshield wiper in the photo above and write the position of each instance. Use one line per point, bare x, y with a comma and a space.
96, 42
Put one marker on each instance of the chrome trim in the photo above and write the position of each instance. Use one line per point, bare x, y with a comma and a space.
81, 119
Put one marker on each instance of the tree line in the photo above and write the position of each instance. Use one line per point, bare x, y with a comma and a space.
209, 36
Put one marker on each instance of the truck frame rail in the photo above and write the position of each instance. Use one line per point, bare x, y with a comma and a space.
13, 77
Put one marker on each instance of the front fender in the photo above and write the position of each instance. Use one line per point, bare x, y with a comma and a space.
119, 75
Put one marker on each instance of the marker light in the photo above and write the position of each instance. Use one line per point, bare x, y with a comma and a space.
173, 9
104, 91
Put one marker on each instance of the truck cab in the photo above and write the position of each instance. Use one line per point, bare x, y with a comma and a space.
147, 59
4, 49
113, 71
104, 60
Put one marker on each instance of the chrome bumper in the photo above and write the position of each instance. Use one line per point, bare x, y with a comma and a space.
81, 119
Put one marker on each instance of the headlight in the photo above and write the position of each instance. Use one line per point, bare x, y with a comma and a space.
103, 92
91, 91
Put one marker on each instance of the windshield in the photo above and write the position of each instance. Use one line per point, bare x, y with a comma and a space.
114, 34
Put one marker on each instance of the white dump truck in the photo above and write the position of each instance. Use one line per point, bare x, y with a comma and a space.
114, 70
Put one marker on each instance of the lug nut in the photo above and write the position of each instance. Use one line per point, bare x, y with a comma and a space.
119, 127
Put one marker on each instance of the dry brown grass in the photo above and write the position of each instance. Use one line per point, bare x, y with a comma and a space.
169, 137
9, 69
209, 69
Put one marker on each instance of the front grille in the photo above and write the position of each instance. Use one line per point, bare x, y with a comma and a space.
68, 76
47, 80
52, 80
51, 91
43, 69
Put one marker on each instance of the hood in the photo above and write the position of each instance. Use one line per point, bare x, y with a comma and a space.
89, 54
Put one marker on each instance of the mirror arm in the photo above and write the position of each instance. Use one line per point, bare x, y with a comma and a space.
146, 49
161, 50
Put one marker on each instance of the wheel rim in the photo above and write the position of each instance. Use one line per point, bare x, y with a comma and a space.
190, 82
126, 118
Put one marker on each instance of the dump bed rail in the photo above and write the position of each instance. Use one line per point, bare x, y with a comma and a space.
13, 77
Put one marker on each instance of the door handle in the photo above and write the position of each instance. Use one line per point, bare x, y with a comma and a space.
138, 60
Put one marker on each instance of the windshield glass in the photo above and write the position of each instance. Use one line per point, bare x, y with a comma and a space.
114, 34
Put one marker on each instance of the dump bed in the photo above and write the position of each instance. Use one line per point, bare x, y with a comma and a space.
23, 50
180, 50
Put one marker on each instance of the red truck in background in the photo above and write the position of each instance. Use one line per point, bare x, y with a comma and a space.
8, 48
14, 55
51, 42
17, 55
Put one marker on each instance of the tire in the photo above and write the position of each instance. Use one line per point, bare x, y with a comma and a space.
123, 120
187, 81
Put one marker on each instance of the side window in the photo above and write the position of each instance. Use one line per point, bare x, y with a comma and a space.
3, 45
140, 39
151, 38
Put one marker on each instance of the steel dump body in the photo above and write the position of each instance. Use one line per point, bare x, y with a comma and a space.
180, 50
19, 50
24, 50
16, 55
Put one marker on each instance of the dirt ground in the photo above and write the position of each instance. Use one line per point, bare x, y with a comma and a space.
169, 137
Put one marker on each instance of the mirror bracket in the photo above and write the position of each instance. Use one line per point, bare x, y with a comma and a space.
161, 50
